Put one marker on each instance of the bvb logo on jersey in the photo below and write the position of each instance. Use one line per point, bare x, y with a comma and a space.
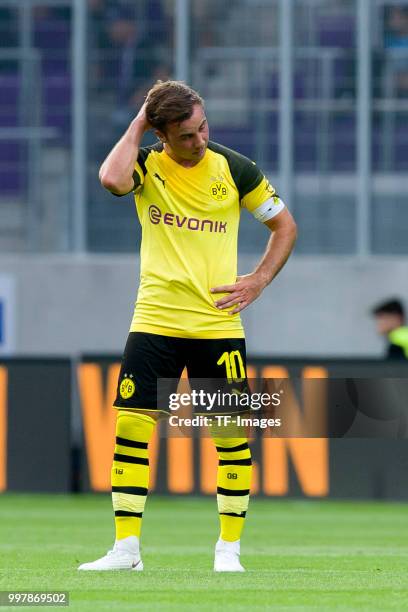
127, 387
219, 191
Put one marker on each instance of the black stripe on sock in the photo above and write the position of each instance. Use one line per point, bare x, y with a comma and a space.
222, 462
130, 490
126, 513
232, 449
131, 443
130, 459
240, 515
232, 492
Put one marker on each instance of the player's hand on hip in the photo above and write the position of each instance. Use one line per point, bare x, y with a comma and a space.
245, 291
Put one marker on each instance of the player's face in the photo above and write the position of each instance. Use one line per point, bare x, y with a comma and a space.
188, 140
386, 322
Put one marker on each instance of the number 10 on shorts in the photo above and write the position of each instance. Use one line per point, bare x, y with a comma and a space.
233, 363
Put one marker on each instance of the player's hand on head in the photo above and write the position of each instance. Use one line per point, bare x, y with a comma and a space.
242, 293
142, 117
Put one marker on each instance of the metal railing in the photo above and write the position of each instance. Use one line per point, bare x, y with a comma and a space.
31, 134
318, 100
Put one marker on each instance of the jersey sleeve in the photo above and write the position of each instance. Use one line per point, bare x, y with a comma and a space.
138, 173
257, 195
140, 168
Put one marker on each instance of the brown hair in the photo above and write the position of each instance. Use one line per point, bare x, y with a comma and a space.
170, 102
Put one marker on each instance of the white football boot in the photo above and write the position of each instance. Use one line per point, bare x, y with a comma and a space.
227, 557
125, 555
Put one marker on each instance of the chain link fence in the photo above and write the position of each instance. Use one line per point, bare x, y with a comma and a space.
234, 59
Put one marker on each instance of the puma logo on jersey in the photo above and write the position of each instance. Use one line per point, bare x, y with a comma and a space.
160, 179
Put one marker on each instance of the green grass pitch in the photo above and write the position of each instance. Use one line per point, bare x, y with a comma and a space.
299, 555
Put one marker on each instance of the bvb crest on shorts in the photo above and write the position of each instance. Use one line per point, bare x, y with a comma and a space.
127, 387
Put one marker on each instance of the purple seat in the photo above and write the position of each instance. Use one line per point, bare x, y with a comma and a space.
305, 141
341, 152
307, 77
52, 37
300, 85
12, 153
241, 139
9, 99
337, 31
57, 100
401, 146
272, 86
272, 140
13, 167
343, 143
377, 148
52, 34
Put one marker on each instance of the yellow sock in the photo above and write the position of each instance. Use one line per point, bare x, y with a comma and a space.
231, 527
233, 485
130, 471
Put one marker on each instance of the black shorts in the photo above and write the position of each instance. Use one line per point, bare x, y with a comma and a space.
149, 358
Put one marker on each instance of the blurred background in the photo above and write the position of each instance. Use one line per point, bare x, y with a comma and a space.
316, 92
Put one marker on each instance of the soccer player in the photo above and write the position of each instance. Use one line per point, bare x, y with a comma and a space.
189, 193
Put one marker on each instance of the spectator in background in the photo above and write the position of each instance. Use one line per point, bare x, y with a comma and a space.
390, 322
139, 60
396, 38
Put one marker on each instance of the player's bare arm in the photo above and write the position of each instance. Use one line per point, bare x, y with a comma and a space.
116, 172
250, 286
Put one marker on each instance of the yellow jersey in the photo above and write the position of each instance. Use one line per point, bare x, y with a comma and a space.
190, 218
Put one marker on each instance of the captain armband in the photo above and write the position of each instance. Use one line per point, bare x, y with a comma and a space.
268, 209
